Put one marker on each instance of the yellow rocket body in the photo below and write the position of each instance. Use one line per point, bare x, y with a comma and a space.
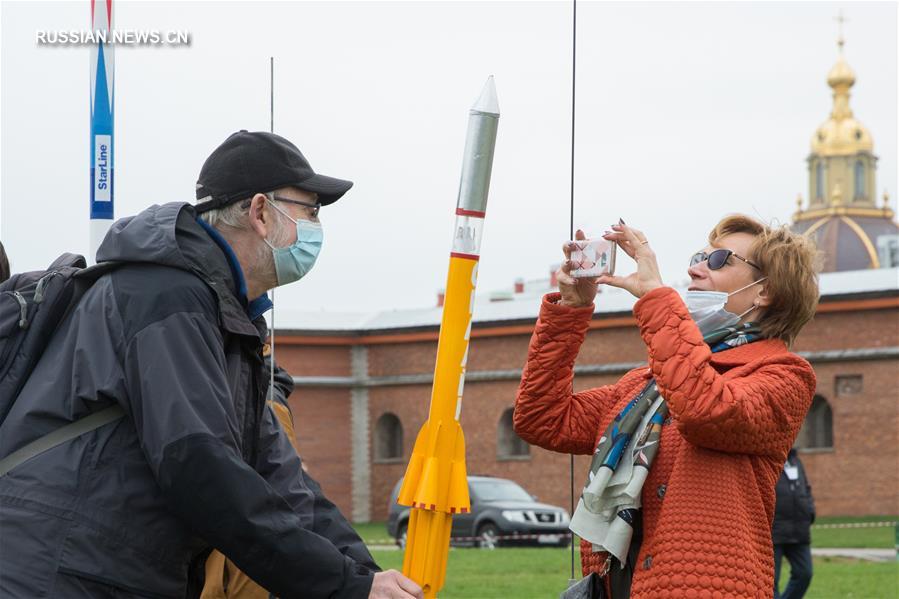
435, 485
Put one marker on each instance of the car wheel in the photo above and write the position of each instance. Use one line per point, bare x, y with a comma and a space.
488, 536
401, 534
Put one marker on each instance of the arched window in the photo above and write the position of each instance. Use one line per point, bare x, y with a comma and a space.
508, 443
859, 180
819, 180
817, 430
388, 438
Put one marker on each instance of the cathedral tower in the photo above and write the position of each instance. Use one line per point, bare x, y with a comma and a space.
842, 213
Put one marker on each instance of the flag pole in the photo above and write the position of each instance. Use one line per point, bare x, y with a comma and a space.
102, 96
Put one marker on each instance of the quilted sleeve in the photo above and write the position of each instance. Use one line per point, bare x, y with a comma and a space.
757, 410
547, 413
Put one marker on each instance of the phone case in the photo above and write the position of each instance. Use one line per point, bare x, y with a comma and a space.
593, 257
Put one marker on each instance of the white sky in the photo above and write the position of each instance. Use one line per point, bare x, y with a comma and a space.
685, 112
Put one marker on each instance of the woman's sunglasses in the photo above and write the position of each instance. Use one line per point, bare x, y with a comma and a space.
718, 258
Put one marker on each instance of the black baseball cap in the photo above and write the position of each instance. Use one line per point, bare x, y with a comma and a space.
251, 162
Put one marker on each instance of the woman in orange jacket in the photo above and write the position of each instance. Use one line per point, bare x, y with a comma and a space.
679, 498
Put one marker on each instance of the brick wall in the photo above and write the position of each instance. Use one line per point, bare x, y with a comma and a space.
410, 404
851, 329
320, 360
860, 474
321, 419
404, 358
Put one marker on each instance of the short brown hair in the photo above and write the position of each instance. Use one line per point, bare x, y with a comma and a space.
791, 263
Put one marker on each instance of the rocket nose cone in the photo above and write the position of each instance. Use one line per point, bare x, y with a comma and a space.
487, 102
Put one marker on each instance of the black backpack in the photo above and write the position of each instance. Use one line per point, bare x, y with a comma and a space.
32, 306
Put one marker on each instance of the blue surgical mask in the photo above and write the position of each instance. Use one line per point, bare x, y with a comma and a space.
707, 308
294, 261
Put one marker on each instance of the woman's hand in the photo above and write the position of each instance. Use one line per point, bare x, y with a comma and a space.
576, 291
633, 243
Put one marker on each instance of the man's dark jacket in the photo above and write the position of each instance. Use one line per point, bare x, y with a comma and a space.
198, 461
794, 511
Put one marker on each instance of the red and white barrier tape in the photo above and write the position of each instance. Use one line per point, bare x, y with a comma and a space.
855, 525
512, 537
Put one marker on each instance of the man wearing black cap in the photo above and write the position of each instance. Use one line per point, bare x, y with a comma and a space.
173, 336
250, 189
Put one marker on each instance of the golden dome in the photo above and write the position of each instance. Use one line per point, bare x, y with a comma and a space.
841, 74
841, 134
841, 137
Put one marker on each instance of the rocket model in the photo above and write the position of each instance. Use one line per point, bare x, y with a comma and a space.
435, 484
101, 134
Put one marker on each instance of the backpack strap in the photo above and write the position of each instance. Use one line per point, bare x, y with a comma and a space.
68, 259
84, 278
60, 436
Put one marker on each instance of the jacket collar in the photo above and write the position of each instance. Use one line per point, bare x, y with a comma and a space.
748, 352
215, 270
743, 354
256, 307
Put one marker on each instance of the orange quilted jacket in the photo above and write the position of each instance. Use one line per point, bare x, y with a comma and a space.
708, 503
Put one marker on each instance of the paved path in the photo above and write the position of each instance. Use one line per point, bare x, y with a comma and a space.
872, 555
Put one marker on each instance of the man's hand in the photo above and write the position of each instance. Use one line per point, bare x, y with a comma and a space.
393, 585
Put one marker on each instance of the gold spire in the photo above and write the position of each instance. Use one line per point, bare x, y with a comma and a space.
840, 19
842, 156
841, 134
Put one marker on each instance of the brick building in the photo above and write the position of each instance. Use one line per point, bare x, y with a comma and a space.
364, 381
362, 394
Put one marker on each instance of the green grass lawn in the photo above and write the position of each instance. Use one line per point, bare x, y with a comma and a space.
841, 578
502, 573
372, 532
881, 537
543, 572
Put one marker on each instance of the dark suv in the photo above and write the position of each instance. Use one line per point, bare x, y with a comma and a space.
501, 513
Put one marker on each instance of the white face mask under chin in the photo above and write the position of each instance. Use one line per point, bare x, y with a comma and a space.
707, 308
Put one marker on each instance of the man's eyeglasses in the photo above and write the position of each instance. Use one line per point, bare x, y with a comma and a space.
718, 258
315, 207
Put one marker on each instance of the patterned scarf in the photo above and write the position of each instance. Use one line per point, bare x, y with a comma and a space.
611, 497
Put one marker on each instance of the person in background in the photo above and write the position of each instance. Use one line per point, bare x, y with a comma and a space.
794, 514
224, 580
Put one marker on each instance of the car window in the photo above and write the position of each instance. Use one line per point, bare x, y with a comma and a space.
499, 490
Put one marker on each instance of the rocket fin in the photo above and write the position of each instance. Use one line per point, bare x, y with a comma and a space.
436, 477
458, 501
411, 480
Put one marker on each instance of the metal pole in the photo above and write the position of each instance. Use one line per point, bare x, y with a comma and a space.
572, 579
271, 341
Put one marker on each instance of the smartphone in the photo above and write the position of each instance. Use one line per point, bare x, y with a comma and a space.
593, 257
